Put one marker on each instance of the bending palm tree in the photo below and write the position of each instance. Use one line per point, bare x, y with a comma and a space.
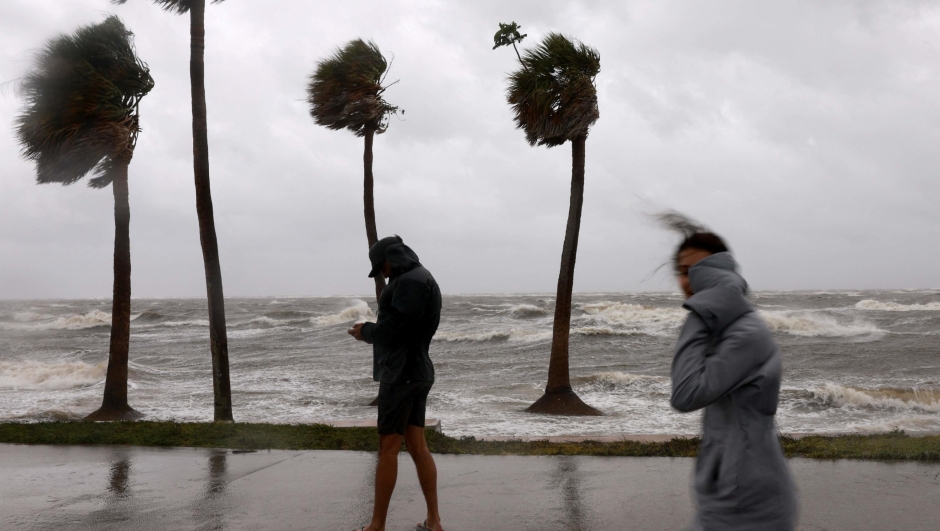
554, 101
345, 92
81, 116
218, 339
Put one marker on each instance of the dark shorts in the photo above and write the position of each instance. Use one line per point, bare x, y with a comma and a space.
402, 405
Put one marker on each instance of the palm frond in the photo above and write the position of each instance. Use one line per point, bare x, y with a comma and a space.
553, 97
81, 100
345, 90
177, 6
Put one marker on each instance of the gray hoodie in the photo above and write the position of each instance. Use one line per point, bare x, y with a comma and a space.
727, 362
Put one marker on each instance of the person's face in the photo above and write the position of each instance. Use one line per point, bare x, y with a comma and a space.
386, 269
686, 259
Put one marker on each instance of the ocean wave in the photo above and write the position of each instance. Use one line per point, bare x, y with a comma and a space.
147, 315
521, 335
523, 311
91, 319
28, 317
267, 321
38, 375
618, 378
646, 319
191, 322
836, 395
816, 325
603, 331
879, 306
358, 313
287, 314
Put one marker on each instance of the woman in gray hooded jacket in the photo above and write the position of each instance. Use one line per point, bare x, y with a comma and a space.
727, 363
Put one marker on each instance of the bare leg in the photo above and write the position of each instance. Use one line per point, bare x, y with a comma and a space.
427, 472
386, 474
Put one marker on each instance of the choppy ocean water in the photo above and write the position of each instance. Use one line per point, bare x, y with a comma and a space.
853, 361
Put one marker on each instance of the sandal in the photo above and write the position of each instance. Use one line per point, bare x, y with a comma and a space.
424, 527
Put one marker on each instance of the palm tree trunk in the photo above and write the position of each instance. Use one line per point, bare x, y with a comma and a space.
559, 399
114, 405
369, 203
210, 247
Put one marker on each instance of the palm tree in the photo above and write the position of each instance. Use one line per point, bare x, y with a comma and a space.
81, 116
345, 92
218, 339
554, 101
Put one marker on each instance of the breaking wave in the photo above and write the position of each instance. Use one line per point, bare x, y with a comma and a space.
603, 331
358, 313
147, 315
816, 325
879, 306
642, 319
192, 322
91, 319
523, 311
835, 395
618, 378
38, 375
521, 335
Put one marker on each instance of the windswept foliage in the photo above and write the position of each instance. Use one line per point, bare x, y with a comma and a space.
81, 104
553, 97
178, 6
346, 90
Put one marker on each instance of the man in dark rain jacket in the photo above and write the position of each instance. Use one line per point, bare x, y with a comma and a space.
408, 317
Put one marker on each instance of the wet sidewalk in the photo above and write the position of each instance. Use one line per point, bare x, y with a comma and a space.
127, 488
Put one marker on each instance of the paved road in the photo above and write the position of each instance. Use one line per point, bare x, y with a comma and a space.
127, 488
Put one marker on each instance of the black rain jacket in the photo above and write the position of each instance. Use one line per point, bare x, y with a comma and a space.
409, 314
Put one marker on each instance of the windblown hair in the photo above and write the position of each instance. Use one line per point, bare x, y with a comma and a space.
553, 96
346, 89
694, 234
81, 98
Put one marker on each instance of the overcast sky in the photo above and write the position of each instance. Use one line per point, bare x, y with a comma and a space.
805, 133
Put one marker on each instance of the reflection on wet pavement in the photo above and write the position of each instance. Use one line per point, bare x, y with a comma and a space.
568, 478
130, 489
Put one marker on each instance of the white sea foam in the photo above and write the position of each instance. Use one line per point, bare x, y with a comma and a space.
627, 378
814, 324
522, 335
28, 317
38, 375
879, 306
75, 322
522, 311
358, 313
646, 319
603, 331
880, 398
191, 322
267, 321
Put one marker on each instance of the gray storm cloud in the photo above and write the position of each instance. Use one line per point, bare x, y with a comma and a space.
803, 132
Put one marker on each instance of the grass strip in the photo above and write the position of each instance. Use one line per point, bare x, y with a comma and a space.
893, 446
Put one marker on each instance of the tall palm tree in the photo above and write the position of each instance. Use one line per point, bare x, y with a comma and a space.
218, 339
345, 92
554, 101
81, 116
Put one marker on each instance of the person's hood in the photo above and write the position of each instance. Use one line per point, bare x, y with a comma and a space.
401, 258
719, 292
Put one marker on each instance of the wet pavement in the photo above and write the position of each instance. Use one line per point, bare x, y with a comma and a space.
128, 488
